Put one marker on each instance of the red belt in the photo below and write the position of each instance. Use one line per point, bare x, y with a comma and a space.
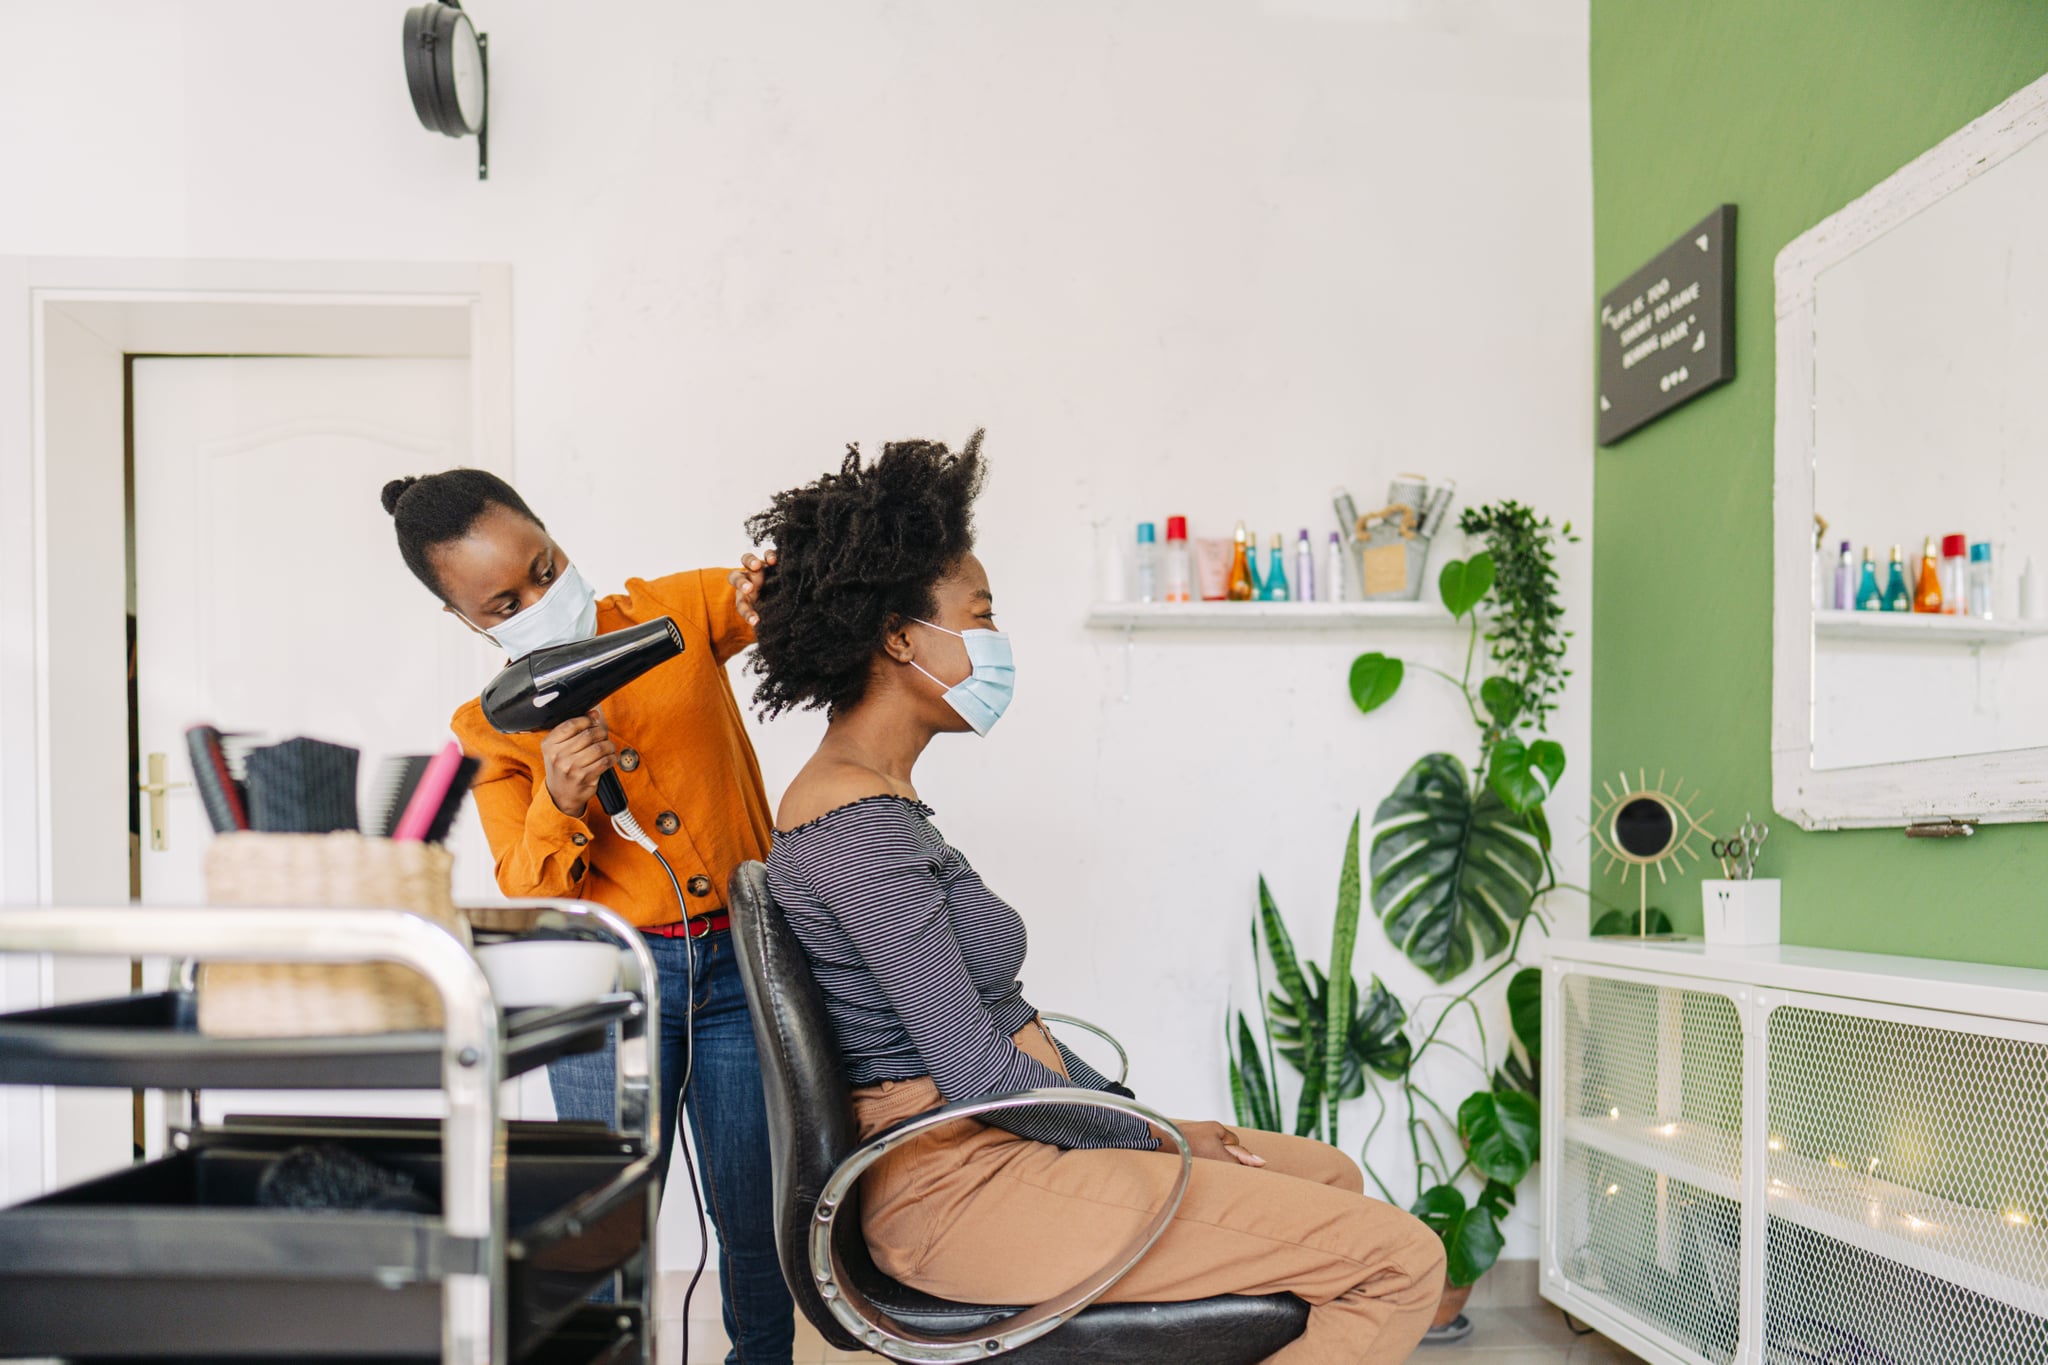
712, 923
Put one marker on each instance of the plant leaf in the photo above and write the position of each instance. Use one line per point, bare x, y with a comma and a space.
1496, 1199
1502, 699
1511, 776
1514, 1074
1375, 678
1280, 947
1471, 1235
1622, 923
1308, 1111
1251, 1091
1464, 583
1547, 757
1450, 874
1525, 1010
1338, 1002
1500, 1132
1377, 1039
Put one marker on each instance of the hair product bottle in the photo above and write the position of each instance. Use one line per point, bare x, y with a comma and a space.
1980, 580
1180, 572
1336, 581
1845, 580
1955, 575
1304, 569
1275, 589
1927, 597
1243, 587
1869, 597
1897, 596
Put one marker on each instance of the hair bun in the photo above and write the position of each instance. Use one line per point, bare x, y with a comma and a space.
395, 490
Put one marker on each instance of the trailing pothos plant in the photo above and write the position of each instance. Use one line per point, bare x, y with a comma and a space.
1460, 860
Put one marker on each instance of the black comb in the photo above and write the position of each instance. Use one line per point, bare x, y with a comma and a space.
397, 776
303, 786
451, 805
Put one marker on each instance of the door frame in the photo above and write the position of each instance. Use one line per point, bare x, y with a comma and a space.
63, 557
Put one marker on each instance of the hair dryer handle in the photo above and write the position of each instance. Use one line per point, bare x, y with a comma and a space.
610, 794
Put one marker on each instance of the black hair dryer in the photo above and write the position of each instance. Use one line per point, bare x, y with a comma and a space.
563, 682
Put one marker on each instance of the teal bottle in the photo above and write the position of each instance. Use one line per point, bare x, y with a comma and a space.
1275, 585
1898, 596
1869, 597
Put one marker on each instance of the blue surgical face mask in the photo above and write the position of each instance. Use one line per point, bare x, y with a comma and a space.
566, 612
983, 695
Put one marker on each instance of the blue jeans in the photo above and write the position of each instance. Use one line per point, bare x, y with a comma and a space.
729, 1126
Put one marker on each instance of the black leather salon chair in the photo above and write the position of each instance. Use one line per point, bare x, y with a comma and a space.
818, 1158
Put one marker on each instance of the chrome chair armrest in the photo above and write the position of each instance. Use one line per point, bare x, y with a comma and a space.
880, 1333
1123, 1059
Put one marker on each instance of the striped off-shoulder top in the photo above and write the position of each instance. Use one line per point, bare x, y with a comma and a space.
918, 963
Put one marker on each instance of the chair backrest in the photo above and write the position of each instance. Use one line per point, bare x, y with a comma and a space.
811, 1127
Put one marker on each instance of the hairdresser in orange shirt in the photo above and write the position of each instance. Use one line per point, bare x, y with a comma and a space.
675, 738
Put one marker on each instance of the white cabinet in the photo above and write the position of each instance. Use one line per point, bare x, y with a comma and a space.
1792, 1156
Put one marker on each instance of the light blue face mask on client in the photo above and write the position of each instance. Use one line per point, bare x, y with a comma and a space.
982, 696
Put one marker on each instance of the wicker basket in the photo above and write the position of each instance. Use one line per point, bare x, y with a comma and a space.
323, 871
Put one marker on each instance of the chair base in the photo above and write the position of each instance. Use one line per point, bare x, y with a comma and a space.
1226, 1330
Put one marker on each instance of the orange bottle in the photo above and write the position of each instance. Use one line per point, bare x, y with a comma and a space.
1241, 588
1928, 598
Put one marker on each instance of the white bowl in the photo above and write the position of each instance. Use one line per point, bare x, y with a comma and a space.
548, 971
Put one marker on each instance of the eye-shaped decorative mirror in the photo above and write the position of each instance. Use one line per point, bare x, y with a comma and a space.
1641, 827
1917, 421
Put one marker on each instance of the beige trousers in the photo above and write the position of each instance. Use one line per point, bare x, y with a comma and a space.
973, 1213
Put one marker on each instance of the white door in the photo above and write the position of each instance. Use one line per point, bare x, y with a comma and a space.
270, 595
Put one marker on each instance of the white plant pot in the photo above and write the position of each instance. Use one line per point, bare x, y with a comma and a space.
1741, 911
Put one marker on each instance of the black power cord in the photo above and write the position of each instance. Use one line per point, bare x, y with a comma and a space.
612, 797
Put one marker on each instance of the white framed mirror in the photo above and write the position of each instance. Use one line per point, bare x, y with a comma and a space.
1912, 403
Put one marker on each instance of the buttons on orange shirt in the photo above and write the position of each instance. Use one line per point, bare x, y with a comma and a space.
667, 823
579, 839
629, 759
700, 886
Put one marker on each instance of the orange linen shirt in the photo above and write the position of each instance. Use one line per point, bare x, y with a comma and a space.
688, 769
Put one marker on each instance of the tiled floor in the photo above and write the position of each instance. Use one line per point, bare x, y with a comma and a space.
1500, 1336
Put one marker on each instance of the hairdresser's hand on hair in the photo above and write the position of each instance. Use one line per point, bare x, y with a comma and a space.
746, 583
577, 752
1211, 1142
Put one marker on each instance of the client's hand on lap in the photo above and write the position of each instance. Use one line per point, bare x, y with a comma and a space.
1211, 1142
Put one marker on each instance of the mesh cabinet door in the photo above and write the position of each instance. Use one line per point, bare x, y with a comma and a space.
1907, 1187
1646, 1221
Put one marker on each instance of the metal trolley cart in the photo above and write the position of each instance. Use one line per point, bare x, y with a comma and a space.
172, 1259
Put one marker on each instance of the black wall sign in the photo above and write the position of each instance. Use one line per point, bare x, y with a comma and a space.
1667, 332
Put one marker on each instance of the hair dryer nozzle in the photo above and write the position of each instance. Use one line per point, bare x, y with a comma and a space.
562, 682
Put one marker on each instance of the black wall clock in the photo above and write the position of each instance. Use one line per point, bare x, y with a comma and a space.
448, 70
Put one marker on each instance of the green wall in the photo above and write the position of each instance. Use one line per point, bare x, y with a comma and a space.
1788, 109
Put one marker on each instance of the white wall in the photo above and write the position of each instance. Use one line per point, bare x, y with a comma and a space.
1204, 258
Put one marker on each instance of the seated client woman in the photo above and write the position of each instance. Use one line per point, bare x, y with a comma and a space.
877, 610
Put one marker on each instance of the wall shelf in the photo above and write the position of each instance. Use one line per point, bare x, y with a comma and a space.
1225, 616
1911, 627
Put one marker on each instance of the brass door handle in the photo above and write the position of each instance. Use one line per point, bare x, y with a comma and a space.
157, 787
